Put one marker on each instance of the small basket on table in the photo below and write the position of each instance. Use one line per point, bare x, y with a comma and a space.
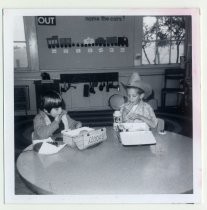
84, 137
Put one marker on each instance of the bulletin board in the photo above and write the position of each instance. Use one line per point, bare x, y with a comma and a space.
70, 42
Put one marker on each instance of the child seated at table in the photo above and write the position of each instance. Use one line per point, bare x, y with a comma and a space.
52, 118
136, 110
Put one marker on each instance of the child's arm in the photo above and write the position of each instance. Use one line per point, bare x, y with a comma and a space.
71, 123
151, 122
148, 116
65, 122
44, 131
125, 111
152, 117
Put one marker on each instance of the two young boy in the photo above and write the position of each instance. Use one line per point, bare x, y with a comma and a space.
52, 118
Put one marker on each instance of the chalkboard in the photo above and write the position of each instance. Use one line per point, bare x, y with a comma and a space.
71, 42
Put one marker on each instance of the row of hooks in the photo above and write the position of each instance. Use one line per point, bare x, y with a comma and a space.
91, 86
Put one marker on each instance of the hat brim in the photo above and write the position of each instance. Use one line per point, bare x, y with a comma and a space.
142, 85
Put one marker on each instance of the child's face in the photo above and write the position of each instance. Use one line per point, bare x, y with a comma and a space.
133, 95
56, 111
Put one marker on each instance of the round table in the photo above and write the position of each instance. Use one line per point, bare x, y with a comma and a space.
111, 168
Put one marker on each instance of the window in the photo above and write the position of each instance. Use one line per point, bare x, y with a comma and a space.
20, 44
163, 39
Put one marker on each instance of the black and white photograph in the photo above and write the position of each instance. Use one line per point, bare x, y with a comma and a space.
102, 106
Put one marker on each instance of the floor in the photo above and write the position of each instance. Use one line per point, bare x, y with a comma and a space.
178, 123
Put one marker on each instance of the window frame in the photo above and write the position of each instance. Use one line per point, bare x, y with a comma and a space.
164, 65
28, 68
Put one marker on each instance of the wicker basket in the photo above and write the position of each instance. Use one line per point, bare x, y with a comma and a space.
91, 138
84, 139
70, 135
69, 141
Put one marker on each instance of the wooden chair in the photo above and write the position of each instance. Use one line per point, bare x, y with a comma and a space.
176, 77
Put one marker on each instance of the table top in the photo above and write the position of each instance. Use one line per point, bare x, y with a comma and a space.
111, 168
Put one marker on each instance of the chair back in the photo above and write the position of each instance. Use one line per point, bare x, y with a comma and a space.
32, 135
174, 75
160, 125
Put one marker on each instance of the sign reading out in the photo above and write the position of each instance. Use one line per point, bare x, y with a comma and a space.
46, 20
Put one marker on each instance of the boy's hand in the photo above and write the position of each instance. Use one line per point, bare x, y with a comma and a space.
64, 118
65, 122
59, 117
78, 125
136, 116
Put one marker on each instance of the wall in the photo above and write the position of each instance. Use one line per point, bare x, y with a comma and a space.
69, 53
41, 61
74, 98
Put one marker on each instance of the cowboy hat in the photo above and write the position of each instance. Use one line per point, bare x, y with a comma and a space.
136, 82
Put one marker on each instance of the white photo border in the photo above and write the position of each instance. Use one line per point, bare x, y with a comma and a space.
10, 196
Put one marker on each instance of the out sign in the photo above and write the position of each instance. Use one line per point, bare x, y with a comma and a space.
46, 20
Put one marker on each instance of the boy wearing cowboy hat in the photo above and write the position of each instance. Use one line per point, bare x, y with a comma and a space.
136, 110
